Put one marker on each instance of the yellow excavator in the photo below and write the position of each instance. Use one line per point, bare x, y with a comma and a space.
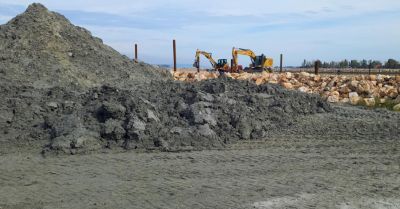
258, 63
221, 65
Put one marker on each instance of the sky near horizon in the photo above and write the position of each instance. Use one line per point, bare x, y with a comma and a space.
306, 29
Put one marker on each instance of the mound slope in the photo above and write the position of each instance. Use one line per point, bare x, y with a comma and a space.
43, 49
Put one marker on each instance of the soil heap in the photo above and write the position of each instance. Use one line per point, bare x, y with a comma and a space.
65, 91
44, 49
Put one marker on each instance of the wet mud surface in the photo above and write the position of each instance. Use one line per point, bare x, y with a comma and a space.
281, 173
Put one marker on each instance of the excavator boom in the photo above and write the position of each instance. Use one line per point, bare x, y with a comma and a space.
205, 54
246, 52
220, 65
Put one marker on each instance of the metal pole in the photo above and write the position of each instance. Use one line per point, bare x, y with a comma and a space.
231, 65
174, 48
198, 64
136, 53
316, 67
281, 64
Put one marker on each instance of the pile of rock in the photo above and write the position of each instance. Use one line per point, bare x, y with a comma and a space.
194, 76
369, 90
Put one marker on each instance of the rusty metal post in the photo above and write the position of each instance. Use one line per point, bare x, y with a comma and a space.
136, 53
281, 64
174, 48
316, 67
198, 64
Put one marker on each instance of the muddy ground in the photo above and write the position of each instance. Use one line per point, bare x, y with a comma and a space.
277, 173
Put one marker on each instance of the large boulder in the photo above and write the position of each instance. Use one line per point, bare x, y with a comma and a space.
354, 98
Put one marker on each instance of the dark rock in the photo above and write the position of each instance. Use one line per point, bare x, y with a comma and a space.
110, 110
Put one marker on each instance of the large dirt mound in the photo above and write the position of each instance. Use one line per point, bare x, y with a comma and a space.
44, 49
120, 104
167, 115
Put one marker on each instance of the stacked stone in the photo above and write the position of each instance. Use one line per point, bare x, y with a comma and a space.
369, 90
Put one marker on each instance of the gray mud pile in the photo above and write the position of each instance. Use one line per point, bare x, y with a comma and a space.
43, 49
64, 88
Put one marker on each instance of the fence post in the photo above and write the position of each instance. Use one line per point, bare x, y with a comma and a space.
174, 51
281, 64
316, 67
136, 53
198, 64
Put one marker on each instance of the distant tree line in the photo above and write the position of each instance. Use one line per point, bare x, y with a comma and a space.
363, 64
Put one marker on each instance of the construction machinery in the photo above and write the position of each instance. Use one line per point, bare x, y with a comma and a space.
258, 63
221, 65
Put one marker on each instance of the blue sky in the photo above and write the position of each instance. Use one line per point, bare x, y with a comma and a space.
307, 29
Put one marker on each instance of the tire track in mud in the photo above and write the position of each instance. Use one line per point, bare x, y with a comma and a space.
207, 179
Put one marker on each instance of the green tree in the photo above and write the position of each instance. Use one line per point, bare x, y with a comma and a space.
364, 64
355, 64
392, 64
333, 64
376, 64
318, 62
344, 64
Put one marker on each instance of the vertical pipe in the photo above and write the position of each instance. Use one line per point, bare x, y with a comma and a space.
316, 67
233, 66
136, 53
198, 64
174, 48
281, 64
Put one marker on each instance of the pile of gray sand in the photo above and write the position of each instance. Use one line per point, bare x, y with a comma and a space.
43, 49
65, 90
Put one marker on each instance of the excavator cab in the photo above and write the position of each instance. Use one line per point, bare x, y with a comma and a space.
262, 63
222, 62
259, 61
222, 65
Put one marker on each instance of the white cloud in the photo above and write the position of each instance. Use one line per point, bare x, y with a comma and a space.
325, 29
220, 7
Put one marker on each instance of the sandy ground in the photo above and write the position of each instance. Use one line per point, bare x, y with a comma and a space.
279, 173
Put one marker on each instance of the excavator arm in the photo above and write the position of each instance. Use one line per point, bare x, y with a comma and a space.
205, 54
246, 52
